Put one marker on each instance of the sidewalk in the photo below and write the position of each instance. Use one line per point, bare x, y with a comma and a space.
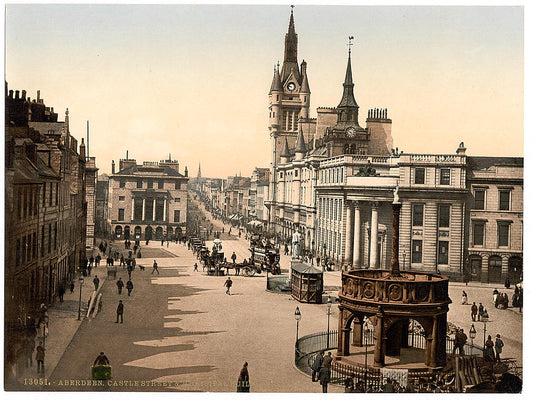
63, 323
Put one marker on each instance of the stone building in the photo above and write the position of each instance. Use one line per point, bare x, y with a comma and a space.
147, 201
45, 210
91, 174
259, 185
495, 224
101, 208
332, 180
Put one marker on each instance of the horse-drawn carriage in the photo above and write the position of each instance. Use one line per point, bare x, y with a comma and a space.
265, 255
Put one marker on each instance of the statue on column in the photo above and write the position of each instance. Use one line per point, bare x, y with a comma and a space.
396, 199
296, 245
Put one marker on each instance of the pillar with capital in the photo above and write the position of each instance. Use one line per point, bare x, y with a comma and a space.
348, 249
374, 236
356, 235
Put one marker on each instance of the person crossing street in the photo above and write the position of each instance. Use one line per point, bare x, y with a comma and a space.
155, 268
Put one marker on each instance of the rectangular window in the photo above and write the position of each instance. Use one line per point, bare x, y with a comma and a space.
121, 214
418, 215
177, 185
160, 184
121, 184
444, 216
149, 184
176, 215
138, 209
420, 176
139, 184
416, 253
505, 197
503, 235
121, 198
479, 199
443, 252
177, 200
445, 176
478, 233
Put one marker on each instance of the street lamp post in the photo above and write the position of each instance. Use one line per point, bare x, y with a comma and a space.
79, 303
329, 313
484, 333
472, 334
366, 333
297, 317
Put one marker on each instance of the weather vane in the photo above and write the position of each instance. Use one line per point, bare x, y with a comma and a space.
350, 44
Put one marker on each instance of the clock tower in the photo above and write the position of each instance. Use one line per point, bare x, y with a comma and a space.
289, 97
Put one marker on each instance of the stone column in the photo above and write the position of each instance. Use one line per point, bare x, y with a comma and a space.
379, 354
356, 236
344, 334
374, 236
132, 208
144, 209
164, 209
348, 248
395, 248
484, 267
153, 210
505, 267
434, 343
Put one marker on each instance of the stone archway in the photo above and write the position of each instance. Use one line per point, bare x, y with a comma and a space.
148, 233
474, 267
118, 231
138, 232
127, 232
495, 269
159, 233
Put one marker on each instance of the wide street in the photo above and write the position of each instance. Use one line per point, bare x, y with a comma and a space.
181, 329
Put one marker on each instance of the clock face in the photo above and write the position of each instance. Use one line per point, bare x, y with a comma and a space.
291, 86
350, 132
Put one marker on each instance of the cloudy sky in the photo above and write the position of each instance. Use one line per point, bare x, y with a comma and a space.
193, 80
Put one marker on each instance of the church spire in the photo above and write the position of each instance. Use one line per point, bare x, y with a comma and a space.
348, 110
290, 60
199, 171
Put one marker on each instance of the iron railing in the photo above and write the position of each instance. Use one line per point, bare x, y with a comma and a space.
307, 348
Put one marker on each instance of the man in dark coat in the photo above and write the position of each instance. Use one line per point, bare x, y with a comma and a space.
101, 359
120, 285
243, 384
120, 312
317, 364
129, 286
154, 269
39, 357
228, 284
96, 282
61, 292
473, 311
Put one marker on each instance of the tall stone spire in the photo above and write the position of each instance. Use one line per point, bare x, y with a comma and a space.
300, 144
348, 110
199, 171
290, 60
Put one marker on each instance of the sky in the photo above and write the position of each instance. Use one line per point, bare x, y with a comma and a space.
193, 80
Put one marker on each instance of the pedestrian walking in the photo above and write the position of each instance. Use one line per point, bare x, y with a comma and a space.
464, 298
96, 282
233, 257
243, 383
120, 312
120, 285
507, 283
473, 311
480, 311
459, 342
61, 292
39, 357
498, 346
195, 267
155, 268
317, 364
71, 286
324, 376
228, 284
488, 353
129, 286
495, 294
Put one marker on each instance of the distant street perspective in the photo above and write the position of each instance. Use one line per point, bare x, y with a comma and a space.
278, 245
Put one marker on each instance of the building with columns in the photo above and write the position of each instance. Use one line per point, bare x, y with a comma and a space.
333, 181
147, 201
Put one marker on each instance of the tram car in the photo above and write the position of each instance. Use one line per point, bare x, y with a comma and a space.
267, 258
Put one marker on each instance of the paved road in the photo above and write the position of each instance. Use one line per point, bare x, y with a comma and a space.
181, 329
